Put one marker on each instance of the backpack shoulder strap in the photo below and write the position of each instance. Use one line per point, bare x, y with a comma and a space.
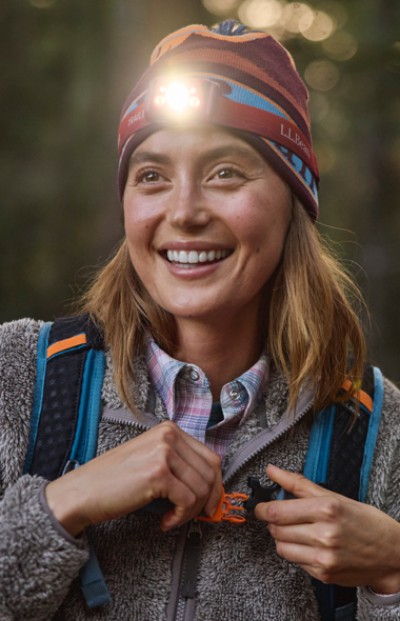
342, 440
67, 396
66, 413
340, 454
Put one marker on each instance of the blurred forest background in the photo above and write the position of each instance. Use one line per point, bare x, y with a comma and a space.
66, 67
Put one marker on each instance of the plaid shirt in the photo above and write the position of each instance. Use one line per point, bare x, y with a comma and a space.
186, 394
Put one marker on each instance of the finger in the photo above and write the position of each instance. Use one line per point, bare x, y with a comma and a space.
195, 475
302, 534
206, 463
322, 536
199, 471
296, 553
323, 567
295, 483
300, 510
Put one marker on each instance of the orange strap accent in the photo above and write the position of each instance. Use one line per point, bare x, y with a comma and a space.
361, 396
226, 511
65, 344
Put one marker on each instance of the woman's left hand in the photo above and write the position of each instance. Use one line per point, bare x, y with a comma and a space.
333, 538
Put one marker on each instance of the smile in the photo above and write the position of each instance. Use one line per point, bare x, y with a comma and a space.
192, 257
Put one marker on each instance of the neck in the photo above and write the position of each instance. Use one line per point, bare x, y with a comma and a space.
222, 350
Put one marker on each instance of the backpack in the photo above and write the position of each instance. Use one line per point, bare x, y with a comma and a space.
67, 409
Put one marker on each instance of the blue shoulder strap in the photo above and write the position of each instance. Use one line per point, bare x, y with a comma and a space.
70, 359
41, 362
328, 444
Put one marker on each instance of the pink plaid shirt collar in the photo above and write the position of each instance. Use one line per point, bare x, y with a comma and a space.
185, 391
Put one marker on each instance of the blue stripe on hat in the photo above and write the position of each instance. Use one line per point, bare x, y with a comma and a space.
245, 96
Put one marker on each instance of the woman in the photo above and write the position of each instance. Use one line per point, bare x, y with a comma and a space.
221, 314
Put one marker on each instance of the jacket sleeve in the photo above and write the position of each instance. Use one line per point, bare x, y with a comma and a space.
383, 493
38, 558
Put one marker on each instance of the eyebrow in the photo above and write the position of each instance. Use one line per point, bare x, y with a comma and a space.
231, 150
139, 156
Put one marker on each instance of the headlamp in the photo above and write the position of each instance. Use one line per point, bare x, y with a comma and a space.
180, 99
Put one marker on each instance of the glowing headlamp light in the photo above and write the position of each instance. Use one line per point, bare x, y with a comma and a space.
180, 99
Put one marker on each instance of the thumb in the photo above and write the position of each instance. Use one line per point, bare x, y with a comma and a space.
295, 483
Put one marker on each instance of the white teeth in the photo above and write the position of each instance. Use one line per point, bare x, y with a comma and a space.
193, 256
211, 255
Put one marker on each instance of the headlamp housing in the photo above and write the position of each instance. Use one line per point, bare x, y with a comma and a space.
180, 99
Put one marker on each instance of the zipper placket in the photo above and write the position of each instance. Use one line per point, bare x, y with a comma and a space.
182, 608
189, 571
124, 416
266, 437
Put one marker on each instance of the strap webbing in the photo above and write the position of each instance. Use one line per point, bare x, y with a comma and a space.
93, 585
340, 454
38, 393
66, 414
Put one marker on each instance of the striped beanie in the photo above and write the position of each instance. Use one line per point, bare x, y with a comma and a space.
245, 82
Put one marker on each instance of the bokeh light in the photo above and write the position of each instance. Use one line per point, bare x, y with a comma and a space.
220, 7
336, 125
319, 107
322, 75
260, 13
336, 10
342, 45
295, 13
321, 28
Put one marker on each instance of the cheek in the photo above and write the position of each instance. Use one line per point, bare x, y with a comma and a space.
137, 224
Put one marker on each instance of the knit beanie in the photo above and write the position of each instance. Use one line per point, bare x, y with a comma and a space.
247, 83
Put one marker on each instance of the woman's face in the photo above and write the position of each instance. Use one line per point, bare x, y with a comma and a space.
205, 219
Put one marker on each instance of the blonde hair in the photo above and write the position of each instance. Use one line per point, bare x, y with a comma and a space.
314, 333
313, 330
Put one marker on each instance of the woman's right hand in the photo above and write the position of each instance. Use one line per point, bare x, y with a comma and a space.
164, 462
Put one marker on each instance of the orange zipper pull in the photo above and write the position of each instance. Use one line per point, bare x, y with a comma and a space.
228, 510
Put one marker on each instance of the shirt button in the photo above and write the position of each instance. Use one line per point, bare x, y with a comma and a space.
194, 375
234, 394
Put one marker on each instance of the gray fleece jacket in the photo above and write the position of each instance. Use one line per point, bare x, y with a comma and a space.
239, 577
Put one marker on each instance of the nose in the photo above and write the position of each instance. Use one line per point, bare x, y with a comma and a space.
188, 208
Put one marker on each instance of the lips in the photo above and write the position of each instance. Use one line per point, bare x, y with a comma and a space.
193, 257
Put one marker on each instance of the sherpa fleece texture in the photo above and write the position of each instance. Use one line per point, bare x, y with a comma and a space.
240, 576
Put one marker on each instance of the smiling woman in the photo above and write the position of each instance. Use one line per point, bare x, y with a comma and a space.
207, 199
230, 343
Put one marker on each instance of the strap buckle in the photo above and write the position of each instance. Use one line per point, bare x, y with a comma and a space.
229, 509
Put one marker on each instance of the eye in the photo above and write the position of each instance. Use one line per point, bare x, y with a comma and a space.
147, 176
225, 173
228, 172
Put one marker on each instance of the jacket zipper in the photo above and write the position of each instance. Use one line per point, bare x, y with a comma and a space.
183, 598
266, 437
186, 597
181, 606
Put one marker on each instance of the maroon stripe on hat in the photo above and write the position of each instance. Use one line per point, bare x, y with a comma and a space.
263, 59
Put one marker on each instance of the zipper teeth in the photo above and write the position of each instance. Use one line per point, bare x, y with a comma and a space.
180, 610
276, 437
131, 423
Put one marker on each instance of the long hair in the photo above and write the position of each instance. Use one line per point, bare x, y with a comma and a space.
313, 331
